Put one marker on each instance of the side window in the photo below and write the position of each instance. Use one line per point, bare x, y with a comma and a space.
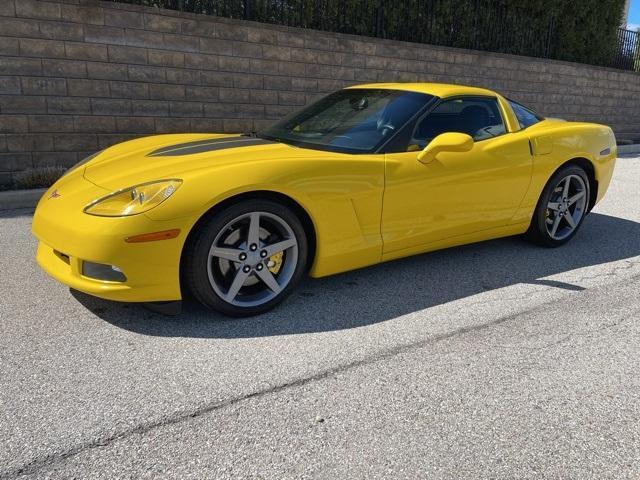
526, 117
476, 116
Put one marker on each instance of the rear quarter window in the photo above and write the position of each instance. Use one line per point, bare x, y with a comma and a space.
525, 116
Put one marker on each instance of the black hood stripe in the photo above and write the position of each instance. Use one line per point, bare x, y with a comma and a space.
210, 145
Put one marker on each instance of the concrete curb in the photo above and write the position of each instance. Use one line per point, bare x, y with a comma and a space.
626, 149
20, 198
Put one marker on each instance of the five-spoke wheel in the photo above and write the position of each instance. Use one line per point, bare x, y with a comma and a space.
561, 208
252, 259
247, 258
566, 207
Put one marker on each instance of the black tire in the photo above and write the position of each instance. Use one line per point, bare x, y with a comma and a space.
197, 264
538, 232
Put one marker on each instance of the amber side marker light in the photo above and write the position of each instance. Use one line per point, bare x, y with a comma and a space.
152, 237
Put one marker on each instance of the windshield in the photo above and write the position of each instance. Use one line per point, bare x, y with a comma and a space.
353, 120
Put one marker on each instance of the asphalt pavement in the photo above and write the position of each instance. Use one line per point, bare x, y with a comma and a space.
494, 360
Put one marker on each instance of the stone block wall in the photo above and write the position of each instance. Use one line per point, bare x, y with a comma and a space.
79, 75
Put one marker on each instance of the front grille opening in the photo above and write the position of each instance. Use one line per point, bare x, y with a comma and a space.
100, 271
62, 256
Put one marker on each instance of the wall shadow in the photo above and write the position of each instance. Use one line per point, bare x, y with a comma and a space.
385, 291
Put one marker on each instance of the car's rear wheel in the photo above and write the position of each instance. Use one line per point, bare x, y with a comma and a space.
246, 258
562, 207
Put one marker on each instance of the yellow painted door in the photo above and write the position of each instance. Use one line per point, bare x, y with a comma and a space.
455, 194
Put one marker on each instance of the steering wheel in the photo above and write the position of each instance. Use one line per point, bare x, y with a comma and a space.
386, 128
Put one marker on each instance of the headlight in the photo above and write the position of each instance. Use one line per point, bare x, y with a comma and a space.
133, 200
82, 162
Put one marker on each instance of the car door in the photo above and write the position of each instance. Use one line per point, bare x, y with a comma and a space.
457, 193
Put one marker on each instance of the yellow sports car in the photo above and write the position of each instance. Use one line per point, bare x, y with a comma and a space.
367, 174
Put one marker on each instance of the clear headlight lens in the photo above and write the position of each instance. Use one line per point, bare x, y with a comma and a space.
133, 200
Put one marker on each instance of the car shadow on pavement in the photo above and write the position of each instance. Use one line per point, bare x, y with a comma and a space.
388, 290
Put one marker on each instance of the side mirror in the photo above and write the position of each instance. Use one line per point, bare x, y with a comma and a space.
446, 142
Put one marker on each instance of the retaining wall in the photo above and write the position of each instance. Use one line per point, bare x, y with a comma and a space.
77, 76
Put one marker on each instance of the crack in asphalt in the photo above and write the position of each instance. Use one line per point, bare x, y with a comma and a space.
40, 462
627, 265
570, 336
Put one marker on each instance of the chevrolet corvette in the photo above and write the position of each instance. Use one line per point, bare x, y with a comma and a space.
367, 174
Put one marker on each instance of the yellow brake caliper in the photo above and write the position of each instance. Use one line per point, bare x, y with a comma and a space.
275, 262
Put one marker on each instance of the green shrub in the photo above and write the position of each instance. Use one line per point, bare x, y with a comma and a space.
574, 30
42, 177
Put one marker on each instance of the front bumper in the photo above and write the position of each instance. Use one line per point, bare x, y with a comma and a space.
68, 237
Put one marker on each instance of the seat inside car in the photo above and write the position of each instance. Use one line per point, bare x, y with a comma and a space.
472, 119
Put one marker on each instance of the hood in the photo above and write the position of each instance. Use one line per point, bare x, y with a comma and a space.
168, 156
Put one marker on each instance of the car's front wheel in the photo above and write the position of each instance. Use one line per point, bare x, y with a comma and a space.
562, 207
246, 258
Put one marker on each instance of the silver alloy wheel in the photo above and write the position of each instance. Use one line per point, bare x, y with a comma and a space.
566, 207
252, 259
